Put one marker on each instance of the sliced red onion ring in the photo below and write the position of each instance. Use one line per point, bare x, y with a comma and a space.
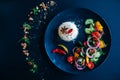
79, 67
83, 50
102, 34
87, 52
93, 46
73, 50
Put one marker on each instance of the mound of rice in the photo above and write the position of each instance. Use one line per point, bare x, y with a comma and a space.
68, 31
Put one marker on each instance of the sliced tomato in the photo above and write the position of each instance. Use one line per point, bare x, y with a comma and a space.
96, 34
90, 65
70, 59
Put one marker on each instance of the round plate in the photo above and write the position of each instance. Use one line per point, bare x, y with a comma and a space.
52, 39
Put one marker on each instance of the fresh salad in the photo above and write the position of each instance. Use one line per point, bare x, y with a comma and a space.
87, 54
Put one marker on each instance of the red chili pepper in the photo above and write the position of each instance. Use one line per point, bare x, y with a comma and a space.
59, 51
70, 59
78, 50
85, 43
69, 31
90, 65
96, 34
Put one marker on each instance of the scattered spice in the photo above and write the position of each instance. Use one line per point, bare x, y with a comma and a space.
42, 8
24, 45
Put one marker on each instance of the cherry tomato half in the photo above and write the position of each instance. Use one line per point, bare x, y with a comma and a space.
70, 59
90, 65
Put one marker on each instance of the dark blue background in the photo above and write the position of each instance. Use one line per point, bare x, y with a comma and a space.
12, 64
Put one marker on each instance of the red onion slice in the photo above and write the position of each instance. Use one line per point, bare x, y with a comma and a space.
87, 52
78, 66
93, 46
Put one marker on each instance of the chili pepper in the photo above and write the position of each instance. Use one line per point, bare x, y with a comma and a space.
69, 31
78, 50
64, 47
59, 51
90, 65
85, 43
70, 59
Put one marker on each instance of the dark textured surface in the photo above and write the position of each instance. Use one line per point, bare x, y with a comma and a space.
12, 64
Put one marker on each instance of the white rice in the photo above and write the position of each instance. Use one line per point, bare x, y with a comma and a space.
71, 36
